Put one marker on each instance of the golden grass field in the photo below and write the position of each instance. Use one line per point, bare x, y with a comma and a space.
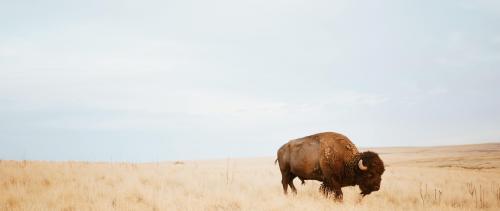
465, 177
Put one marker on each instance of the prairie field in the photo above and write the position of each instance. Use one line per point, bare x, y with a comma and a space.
465, 177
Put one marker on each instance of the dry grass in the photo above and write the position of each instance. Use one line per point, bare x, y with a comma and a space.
442, 178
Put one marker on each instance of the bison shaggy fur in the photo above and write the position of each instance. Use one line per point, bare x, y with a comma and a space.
332, 159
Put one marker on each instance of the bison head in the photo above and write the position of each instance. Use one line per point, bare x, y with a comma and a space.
369, 172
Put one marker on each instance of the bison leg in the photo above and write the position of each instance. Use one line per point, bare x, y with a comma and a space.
287, 180
329, 187
338, 194
325, 190
331, 175
284, 182
302, 180
337, 189
290, 182
285, 174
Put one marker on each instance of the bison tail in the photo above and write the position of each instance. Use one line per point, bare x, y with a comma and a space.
275, 161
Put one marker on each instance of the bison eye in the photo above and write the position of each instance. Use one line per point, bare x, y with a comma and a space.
369, 175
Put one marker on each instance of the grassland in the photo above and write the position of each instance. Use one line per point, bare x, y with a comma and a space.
439, 178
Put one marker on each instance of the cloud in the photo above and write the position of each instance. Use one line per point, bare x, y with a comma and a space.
489, 6
438, 91
353, 98
232, 68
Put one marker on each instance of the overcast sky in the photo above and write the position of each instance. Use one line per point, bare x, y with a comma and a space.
167, 80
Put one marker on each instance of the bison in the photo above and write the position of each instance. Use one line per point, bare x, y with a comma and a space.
332, 159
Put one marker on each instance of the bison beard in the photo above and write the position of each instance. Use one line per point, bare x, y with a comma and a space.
332, 159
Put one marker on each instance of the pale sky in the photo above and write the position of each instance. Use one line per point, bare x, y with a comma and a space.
171, 80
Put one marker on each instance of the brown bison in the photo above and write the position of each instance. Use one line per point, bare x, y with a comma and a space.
332, 159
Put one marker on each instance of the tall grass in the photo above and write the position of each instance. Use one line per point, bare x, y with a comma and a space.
233, 184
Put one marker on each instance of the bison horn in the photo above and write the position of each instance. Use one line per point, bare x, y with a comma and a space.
361, 166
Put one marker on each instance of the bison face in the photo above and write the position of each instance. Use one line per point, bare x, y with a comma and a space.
370, 172
370, 181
